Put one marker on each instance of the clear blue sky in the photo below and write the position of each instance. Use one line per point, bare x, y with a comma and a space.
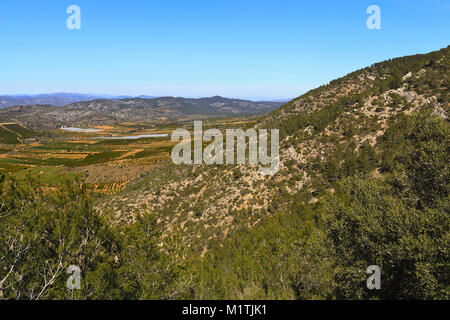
234, 48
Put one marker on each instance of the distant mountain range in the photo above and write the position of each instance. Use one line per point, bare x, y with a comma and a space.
66, 98
107, 111
55, 99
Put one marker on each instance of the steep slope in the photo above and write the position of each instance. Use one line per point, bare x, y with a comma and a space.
364, 185
326, 134
104, 111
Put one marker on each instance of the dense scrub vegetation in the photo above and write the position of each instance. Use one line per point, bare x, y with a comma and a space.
45, 231
365, 181
398, 221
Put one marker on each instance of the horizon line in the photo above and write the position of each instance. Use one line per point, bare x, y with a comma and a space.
124, 96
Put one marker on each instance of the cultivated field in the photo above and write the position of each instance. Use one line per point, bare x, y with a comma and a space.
105, 165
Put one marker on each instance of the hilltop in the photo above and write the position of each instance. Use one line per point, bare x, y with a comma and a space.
55, 99
110, 111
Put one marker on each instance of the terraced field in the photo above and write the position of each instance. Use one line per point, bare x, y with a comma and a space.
106, 166
14, 133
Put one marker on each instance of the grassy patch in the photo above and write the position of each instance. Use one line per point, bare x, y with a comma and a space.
8, 137
98, 158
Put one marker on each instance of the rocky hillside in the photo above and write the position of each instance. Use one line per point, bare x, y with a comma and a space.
363, 185
327, 134
103, 111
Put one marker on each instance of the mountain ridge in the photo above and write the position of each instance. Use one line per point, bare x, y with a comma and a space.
56, 99
107, 111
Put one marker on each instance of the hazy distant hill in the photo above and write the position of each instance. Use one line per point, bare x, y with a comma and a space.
106, 111
56, 99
